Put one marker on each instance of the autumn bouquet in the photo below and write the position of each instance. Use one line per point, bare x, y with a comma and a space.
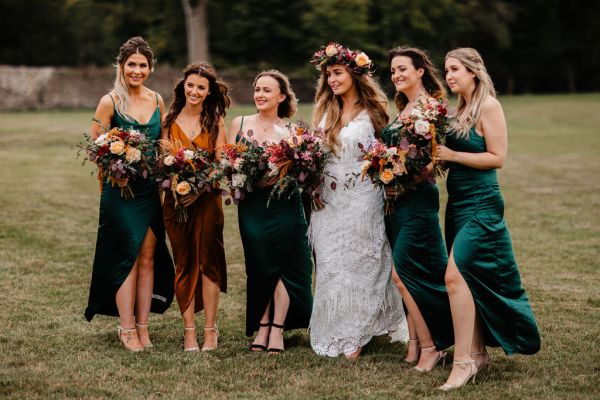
120, 154
297, 163
184, 172
241, 169
415, 137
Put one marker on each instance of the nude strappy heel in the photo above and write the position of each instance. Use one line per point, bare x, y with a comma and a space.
125, 336
189, 329
146, 345
472, 374
441, 355
215, 329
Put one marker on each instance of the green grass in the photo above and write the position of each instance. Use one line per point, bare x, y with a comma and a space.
48, 222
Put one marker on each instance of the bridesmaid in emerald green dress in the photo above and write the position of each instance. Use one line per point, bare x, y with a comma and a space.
413, 229
133, 272
489, 305
276, 250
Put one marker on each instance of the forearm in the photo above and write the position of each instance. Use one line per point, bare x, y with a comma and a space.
482, 161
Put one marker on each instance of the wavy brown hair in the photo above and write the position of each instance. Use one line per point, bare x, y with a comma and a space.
467, 114
288, 107
370, 98
432, 82
135, 45
214, 105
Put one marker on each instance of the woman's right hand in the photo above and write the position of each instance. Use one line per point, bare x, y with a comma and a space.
391, 192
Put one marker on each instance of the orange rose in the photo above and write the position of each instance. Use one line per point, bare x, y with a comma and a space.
386, 176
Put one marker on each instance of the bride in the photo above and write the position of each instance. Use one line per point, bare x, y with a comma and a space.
355, 298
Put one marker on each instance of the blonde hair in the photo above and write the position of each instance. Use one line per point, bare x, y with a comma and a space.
135, 45
370, 98
468, 113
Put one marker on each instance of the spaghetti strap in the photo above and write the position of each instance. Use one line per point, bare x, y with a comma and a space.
242, 123
113, 100
156, 94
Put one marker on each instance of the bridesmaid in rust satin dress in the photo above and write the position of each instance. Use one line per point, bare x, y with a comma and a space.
195, 120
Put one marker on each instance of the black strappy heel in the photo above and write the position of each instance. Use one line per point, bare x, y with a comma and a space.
260, 347
275, 350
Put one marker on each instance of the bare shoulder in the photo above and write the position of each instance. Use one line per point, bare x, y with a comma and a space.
491, 105
106, 102
221, 121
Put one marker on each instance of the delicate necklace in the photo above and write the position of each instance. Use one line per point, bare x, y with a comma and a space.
268, 125
193, 128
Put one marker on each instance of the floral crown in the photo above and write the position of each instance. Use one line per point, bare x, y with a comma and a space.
335, 53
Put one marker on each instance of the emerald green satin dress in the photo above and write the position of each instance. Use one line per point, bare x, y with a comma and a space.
478, 238
276, 247
123, 224
419, 253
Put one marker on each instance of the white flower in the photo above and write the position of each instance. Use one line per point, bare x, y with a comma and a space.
188, 154
330, 50
392, 151
101, 140
169, 160
237, 164
133, 155
238, 180
421, 127
134, 134
365, 166
417, 113
281, 132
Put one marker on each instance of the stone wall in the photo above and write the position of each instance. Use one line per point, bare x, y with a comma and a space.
43, 88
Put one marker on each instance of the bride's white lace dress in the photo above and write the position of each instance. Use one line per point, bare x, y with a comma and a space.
355, 298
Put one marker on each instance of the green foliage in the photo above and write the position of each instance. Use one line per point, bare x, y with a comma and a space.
517, 39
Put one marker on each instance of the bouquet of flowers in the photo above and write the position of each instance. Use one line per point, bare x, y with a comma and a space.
415, 137
241, 169
184, 172
120, 154
297, 163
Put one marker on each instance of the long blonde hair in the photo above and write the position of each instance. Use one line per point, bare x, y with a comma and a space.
370, 97
468, 114
135, 45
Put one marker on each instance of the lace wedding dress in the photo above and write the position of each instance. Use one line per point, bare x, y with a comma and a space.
355, 298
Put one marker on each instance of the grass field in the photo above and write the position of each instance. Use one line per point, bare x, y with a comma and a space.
48, 222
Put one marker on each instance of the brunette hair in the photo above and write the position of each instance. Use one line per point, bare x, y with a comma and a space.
467, 114
431, 78
288, 107
214, 106
135, 45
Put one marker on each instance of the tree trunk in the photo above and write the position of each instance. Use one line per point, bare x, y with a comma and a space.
196, 29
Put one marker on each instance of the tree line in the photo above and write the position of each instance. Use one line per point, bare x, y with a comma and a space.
528, 46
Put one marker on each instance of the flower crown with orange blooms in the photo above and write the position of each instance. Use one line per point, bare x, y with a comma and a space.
335, 53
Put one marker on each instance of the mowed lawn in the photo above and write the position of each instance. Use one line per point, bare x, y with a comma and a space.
48, 222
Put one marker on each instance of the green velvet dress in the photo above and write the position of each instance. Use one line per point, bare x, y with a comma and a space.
419, 253
478, 238
275, 247
122, 227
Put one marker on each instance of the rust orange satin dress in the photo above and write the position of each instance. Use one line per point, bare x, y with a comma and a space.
198, 243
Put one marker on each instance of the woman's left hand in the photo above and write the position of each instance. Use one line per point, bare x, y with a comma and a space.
443, 153
189, 199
